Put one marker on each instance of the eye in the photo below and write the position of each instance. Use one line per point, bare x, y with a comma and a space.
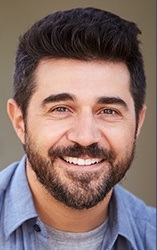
60, 109
60, 112
109, 111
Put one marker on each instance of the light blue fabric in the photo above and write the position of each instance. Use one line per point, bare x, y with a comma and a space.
131, 224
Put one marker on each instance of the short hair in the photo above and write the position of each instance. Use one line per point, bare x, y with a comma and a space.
82, 34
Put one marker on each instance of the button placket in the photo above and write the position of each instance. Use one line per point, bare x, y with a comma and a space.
37, 228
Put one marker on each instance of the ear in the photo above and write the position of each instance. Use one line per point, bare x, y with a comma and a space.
16, 117
141, 119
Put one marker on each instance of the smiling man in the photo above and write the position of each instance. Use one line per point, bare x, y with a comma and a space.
78, 108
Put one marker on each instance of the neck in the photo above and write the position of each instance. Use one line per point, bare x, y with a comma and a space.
55, 214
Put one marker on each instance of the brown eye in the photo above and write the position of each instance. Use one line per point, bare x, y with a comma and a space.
61, 109
108, 111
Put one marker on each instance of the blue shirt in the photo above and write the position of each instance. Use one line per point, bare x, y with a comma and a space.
131, 224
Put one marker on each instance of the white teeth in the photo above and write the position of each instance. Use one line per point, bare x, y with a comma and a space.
82, 162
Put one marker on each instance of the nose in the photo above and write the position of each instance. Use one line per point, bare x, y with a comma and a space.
85, 130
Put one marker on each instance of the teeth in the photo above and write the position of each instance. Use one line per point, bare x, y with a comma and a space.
82, 162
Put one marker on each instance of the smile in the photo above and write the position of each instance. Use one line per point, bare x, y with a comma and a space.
82, 162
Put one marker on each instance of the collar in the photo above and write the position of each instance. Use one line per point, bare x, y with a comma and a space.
18, 204
119, 221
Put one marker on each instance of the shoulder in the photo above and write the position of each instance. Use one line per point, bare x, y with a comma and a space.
6, 175
142, 217
134, 204
5, 178
136, 207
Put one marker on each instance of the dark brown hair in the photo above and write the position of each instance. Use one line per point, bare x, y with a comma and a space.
81, 34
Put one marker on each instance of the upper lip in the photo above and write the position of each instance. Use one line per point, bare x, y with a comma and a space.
81, 161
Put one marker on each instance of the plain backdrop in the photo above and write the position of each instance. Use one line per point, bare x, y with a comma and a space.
18, 15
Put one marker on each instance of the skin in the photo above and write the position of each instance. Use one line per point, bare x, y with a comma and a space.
84, 118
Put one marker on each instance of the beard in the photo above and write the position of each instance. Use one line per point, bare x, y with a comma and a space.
80, 189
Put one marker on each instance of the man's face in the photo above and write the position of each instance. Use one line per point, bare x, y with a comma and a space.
80, 129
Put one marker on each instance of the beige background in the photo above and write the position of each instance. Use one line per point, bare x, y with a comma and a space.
18, 15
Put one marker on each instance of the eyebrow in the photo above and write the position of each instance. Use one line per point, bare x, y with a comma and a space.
112, 100
58, 98
69, 97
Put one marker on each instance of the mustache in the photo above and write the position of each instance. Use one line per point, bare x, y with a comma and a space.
76, 150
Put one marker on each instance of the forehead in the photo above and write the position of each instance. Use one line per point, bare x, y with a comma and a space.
87, 79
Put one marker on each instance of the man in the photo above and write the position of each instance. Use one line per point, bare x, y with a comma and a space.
78, 108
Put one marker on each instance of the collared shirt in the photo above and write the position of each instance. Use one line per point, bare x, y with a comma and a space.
131, 224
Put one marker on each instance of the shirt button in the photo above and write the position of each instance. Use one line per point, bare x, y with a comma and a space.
37, 228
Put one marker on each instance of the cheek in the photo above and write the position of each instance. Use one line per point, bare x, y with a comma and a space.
120, 138
48, 133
